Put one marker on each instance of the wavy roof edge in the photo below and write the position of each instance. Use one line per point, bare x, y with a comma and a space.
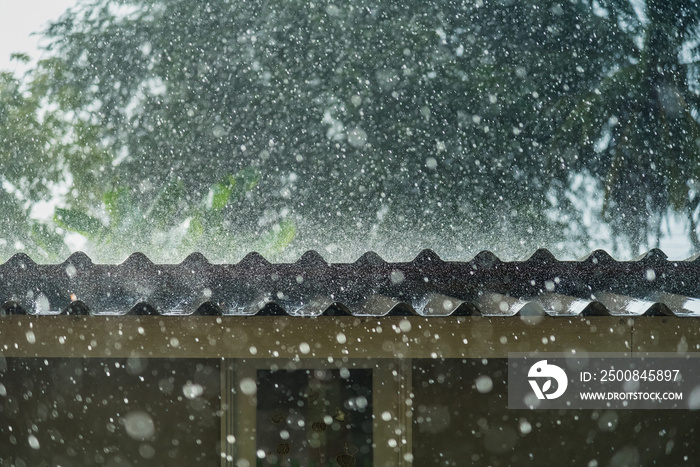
531, 311
425, 286
311, 257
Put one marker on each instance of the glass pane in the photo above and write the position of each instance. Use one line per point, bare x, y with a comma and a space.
314, 418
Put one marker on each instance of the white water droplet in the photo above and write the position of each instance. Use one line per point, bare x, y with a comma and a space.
31, 338
397, 277
525, 427
357, 137
192, 391
42, 305
484, 384
248, 386
33, 442
694, 399
147, 451
139, 425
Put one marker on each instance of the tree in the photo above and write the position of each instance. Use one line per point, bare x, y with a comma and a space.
636, 130
42, 146
453, 119
170, 227
39, 147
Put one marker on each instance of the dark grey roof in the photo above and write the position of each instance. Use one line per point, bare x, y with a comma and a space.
426, 286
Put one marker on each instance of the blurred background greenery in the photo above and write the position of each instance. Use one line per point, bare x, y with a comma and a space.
222, 126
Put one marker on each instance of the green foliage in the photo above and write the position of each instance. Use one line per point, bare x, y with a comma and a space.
510, 99
42, 143
39, 145
80, 222
118, 205
634, 129
169, 227
277, 239
221, 192
456, 117
284, 100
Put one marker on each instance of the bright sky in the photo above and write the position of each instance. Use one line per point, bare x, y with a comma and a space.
19, 19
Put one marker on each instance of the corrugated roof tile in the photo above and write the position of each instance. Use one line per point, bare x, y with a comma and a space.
427, 286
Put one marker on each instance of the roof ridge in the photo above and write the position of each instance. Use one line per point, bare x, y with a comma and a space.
427, 285
540, 255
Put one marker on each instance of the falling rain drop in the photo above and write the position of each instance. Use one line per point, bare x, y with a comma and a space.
139, 425
248, 386
33, 442
484, 384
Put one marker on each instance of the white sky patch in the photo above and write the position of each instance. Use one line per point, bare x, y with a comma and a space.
18, 20
43, 210
74, 241
674, 240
